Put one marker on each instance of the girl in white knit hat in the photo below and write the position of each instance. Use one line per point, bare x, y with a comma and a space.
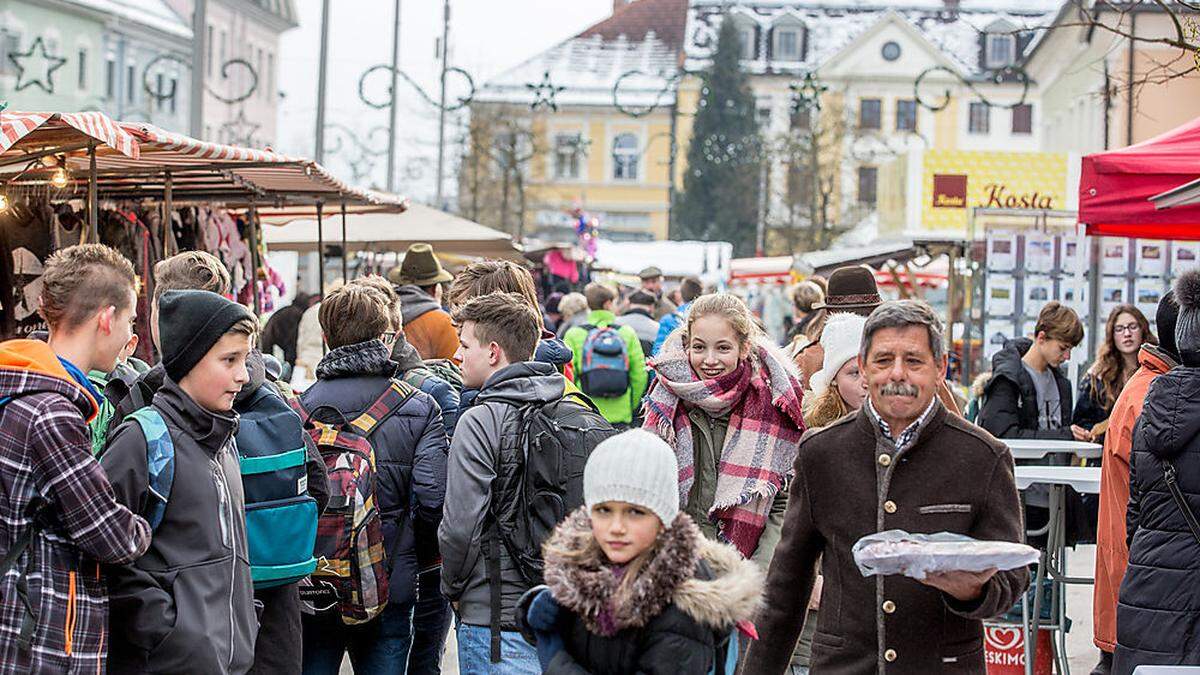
631, 584
839, 387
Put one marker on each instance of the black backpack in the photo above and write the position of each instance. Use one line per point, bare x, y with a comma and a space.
531, 500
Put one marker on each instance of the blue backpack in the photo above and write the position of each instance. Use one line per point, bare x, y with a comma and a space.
281, 517
604, 364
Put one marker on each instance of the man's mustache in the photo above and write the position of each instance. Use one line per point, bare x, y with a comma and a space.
898, 389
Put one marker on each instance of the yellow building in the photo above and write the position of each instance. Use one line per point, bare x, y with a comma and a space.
585, 125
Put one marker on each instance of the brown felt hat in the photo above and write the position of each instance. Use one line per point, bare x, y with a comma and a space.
851, 289
420, 268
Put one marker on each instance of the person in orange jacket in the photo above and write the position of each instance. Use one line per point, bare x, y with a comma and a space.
1112, 550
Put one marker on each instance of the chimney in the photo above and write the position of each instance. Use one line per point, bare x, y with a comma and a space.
618, 4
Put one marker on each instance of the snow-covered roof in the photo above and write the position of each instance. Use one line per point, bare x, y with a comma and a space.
153, 14
834, 24
639, 45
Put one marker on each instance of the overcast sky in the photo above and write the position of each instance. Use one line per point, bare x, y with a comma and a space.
486, 38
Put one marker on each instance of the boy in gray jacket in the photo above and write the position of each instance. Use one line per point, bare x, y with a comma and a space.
187, 605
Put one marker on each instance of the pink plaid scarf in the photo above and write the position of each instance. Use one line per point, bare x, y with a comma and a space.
763, 396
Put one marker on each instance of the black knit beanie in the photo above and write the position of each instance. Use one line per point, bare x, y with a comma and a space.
1165, 319
1187, 327
190, 323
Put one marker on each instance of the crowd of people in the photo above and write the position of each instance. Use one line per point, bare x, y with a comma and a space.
612, 481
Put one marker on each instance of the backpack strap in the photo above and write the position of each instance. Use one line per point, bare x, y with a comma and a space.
1169, 475
160, 461
392, 399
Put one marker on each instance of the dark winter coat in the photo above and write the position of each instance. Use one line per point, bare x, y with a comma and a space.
488, 436
688, 600
46, 454
410, 450
187, 605
1090, 408
550, 350
1158, 612
851, 482
414, 371
1010, 408
283, 329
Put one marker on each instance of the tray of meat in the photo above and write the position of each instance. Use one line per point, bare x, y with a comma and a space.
916, 555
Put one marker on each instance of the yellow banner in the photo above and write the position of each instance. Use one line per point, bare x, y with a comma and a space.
955, 181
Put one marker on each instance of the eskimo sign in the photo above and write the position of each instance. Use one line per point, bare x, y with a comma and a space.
950, 192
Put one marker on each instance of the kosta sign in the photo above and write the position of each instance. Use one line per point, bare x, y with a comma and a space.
950, 192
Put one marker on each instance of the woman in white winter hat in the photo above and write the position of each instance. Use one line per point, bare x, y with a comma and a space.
839, 387
631, 584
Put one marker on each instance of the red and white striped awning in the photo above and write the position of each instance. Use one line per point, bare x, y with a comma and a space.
15, 126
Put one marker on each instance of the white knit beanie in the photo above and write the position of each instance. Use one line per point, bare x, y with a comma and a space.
842, 339
635, 467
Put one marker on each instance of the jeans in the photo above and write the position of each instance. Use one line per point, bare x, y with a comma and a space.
378, 647
431, 624
518, 657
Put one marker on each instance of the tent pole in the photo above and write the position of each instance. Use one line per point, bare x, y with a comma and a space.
168, 210
320, 253
254, 260
345, 254
93, 214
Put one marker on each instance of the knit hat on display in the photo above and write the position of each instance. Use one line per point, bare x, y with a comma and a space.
190, 323
1187, 328
842, 341
635, 467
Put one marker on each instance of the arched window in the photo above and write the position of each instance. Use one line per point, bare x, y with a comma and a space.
625, 157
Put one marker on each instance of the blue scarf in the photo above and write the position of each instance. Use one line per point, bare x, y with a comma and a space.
82, 379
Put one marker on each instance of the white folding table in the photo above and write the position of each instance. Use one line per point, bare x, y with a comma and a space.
1054, 558
1038, 449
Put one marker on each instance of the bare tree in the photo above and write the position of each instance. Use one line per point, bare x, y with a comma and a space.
499, 147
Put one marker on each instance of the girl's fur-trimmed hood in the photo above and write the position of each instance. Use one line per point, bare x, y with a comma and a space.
732, 594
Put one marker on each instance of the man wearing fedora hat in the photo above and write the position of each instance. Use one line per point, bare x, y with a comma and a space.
852, 289
419, 282
652, 283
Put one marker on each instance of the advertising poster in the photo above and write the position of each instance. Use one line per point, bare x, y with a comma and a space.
1147, 293
1001, 300
1073, 251
1112, 293
1151, 258
1186, 256
1002, 251
1039, 252
994, 336
1038, 291
1114, 254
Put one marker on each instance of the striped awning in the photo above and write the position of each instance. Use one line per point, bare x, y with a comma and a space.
15, 126
141, 161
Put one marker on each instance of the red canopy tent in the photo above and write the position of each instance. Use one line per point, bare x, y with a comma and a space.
1115, 187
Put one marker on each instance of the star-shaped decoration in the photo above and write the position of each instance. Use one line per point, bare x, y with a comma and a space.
240, 131
580, 146
807, 94
40, 66
544, 93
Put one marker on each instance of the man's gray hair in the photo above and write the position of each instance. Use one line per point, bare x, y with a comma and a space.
903, 313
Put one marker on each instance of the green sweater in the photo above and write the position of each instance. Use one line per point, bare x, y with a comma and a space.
619, 409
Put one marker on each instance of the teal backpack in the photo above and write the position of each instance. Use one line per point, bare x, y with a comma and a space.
281, 517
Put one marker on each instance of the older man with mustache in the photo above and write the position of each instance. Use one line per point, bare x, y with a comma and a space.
901, 462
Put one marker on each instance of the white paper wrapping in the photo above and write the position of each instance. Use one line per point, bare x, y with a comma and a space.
916, 555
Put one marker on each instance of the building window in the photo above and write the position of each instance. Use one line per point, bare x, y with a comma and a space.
221, 61
1001, 50
130, 86
174, 92
9, 43
787, 44
906, 115
749, 44
868, 177
83, 63
270, 77
979, 118
764, 118
869, 113
625, 157
890, 51
566, 156
110, 77
802, 119
1022, 119
208, 53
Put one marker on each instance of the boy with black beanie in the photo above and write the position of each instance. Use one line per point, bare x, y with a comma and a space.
187, 605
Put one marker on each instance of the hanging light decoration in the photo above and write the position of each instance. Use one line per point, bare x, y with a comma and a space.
3, 202
60, 178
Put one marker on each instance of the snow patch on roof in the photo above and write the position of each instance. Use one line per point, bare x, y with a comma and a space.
153, 14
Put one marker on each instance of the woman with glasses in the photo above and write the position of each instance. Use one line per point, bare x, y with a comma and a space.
1116, 360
